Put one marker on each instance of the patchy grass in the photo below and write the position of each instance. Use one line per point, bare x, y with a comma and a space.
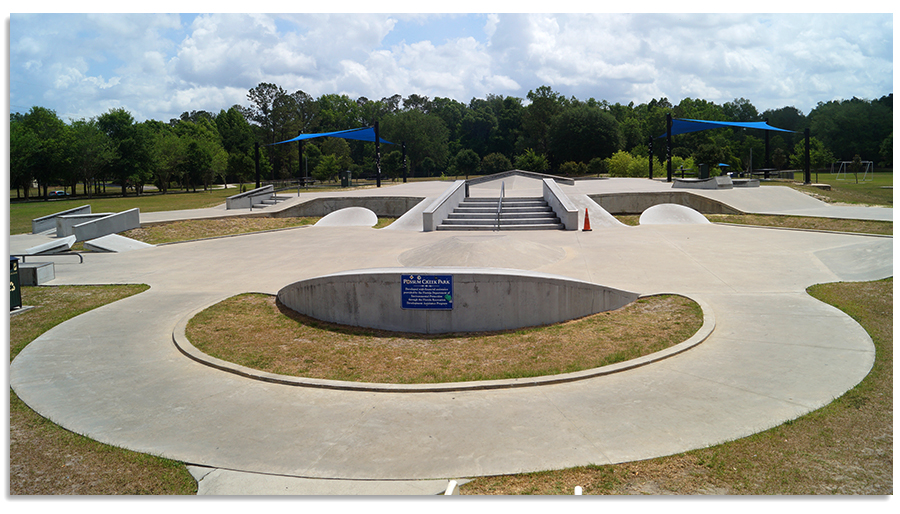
189, 230
799, 222
845, 447
254, 331
46, 459
846, 190
806, 223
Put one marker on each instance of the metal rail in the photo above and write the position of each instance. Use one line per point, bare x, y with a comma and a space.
500, 202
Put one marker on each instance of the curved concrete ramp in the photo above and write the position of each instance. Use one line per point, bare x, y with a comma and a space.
349, 217
488, 251
672, 214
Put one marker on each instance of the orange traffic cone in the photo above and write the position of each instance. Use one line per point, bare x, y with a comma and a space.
587, 221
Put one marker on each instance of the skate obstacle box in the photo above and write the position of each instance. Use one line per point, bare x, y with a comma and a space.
442, 300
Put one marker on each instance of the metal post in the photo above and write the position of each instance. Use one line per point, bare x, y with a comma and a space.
377, 157
767, 145
257, 164
668, 147
299, 162
405, 164
650, 143
806, 177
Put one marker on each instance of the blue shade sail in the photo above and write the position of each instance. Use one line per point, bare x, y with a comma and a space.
684, 126
359, 134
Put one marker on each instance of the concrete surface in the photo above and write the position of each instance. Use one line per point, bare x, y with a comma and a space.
51, 246
775, 353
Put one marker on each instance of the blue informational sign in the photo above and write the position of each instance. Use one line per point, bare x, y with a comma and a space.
426, 292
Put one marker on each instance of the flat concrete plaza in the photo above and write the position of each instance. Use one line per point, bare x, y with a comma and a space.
115, 375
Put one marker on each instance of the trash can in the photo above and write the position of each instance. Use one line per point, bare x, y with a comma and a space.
704, 171
15, 290
346, 178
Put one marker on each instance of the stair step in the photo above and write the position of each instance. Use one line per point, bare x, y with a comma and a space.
557, 226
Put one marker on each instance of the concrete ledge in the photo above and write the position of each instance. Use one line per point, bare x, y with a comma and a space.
745, 182
382, 206
36, 273
45, 223
636, 203
720, 182
112, 224
521, 173
186, 348
561, 204
65, 225
60, 245
248, 199
484, 299
438, 211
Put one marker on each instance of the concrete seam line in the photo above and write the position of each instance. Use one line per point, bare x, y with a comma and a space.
179, 338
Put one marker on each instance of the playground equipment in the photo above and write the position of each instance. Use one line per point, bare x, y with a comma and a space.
868, 166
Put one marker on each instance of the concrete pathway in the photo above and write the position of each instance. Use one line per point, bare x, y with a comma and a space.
114, 374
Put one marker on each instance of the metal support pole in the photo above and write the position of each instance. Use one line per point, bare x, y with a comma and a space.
405, 164
377, 157
257, 164
806, 177
299, 162
767, 145
650, 144
668, 147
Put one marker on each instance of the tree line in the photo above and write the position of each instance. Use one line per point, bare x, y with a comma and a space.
544, 132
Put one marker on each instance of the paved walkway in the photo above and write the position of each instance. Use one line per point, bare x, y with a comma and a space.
114, 374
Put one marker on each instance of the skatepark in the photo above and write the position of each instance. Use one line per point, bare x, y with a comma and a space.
769, 353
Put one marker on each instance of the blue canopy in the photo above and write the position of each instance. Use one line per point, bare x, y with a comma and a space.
683, 126
360, 134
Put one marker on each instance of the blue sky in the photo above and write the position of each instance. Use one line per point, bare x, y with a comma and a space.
159, 65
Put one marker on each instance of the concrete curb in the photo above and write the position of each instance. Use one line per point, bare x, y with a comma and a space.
186, 348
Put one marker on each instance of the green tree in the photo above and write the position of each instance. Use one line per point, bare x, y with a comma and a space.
545, 104
532, 161
466, 162
51, 160
92, 152
495, 163
819, 155
426, 137
130, 162
573, 169
327, 168
24, 152
581, 133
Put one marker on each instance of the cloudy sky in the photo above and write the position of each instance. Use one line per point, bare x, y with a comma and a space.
159, 65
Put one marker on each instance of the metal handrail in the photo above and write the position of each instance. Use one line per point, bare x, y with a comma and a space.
500, 202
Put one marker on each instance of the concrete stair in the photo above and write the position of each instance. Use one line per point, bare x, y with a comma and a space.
516, 214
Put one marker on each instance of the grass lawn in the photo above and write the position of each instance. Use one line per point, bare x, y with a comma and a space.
253, 330
21, 214
845, 447
871, 192
46, 459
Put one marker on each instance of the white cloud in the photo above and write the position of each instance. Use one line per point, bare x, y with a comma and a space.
157, 66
